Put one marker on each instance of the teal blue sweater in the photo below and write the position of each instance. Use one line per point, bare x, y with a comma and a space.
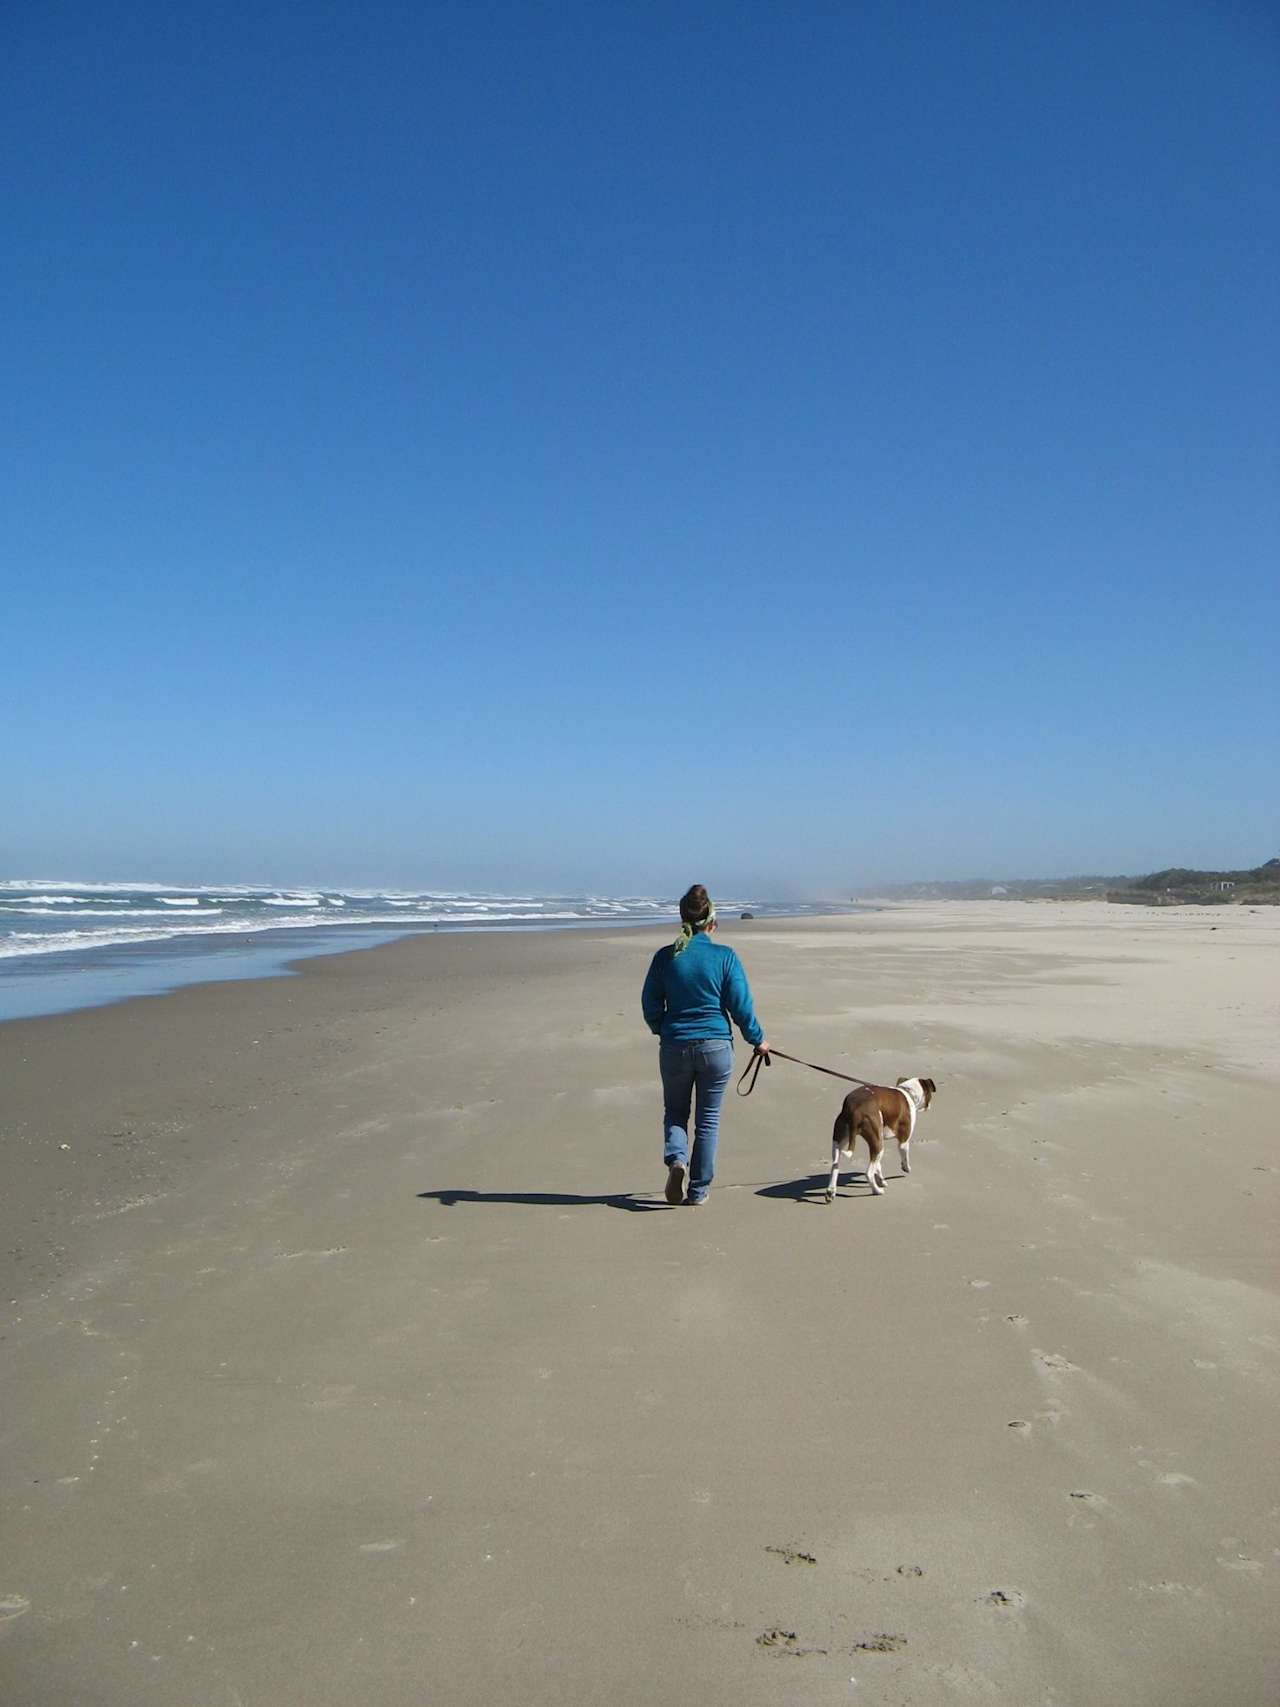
696, 993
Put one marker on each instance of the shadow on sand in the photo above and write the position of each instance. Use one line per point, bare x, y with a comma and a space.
813, 1188
550, 1199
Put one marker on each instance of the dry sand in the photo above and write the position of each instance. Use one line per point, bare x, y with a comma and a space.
354, 1358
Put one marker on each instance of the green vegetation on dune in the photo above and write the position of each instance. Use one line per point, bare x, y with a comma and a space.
1174, 886
1177, 885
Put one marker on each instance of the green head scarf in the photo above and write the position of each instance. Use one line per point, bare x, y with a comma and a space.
688, 931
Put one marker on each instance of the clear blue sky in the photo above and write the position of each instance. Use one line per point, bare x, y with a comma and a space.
592, 446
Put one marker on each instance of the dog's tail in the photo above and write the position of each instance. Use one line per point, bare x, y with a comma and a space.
842, 1133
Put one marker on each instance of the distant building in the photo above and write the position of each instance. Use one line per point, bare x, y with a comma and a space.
1225, 883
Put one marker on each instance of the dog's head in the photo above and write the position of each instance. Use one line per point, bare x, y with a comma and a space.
926, 1087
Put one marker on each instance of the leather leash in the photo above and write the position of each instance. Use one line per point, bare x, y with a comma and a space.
757, 1061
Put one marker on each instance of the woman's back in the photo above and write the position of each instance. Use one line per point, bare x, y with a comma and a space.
695, 993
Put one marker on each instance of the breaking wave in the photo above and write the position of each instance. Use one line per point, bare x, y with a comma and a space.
46, 916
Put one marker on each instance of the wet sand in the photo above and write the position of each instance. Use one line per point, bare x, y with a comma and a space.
353, 1356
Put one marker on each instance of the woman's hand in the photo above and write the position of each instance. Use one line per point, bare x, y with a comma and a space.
762, 1048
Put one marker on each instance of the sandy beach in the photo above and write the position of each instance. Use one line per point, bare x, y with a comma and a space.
352, 1355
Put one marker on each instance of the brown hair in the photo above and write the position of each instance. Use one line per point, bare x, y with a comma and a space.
695, 906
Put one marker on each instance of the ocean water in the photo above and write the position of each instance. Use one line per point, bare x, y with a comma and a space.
68, 945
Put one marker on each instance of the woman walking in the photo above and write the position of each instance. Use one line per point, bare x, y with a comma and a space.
694, 988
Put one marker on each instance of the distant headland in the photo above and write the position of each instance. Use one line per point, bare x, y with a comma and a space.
1175, 886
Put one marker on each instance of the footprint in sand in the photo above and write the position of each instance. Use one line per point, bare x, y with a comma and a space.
882, 1643
1007, 1599
872, 1575
13, 1606
1086, 1498
790, 1556
1018, 1426
1059, 1365
1017, 1321
785, 1642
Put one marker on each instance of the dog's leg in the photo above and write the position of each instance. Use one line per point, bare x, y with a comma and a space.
875, 1172
834, 1181
905, 1131
839, 1138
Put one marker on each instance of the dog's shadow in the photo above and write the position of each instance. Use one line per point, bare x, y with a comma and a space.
549, 1199
813, 1188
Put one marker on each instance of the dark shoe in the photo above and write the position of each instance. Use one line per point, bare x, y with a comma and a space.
677, 1182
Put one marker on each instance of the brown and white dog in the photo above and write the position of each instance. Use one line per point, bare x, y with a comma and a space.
869, 1112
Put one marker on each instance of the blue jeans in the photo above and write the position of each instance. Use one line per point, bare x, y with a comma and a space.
705, 1067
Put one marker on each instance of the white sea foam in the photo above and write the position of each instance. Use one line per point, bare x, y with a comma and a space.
124, 936
85, 888
24, 943
70, 886
72, 917
20, 943
46, 901
119, 913
79, 918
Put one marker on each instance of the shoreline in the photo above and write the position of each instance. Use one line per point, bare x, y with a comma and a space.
354, 1354
161, 966
69, 979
